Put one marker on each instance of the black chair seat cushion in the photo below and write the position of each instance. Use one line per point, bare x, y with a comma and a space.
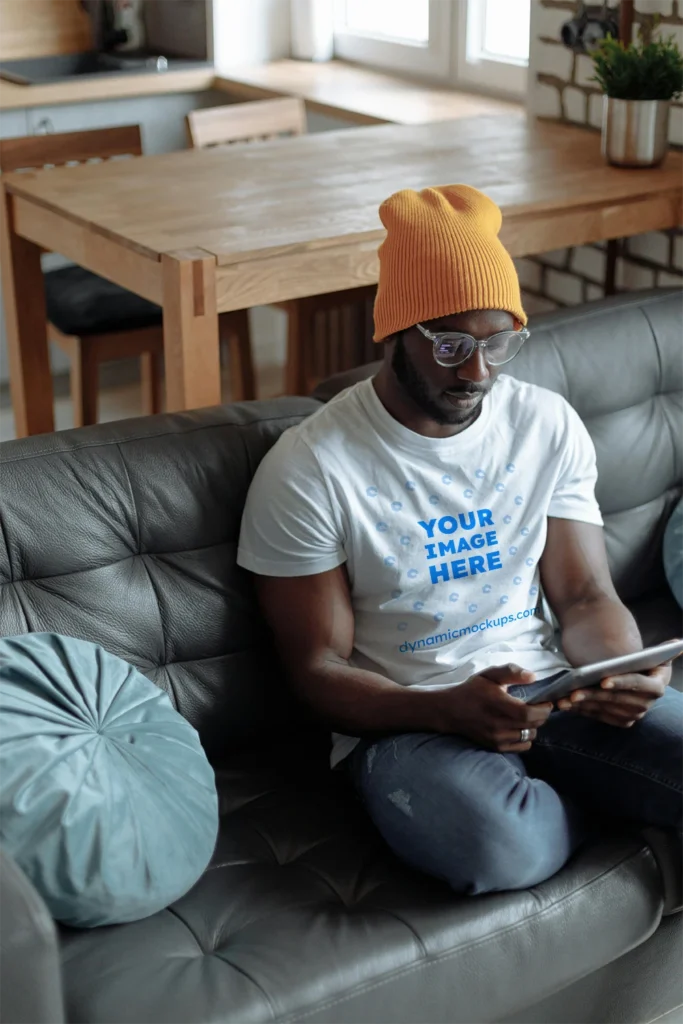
305, 915
82, 303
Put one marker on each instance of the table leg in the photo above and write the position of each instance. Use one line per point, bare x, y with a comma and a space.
23, 292
193, 377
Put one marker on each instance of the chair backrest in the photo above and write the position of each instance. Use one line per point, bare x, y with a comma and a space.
246, 122
54, 150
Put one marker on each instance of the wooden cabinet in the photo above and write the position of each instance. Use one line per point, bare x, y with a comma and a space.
162, 118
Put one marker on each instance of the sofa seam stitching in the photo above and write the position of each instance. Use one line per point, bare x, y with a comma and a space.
554, 908
46, 453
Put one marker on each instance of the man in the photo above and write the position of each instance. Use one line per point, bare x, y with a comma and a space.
400, 538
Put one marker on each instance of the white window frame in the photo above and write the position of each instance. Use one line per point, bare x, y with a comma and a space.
451, 56
426, 60
473, 68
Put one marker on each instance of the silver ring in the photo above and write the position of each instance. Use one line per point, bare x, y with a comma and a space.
525, 735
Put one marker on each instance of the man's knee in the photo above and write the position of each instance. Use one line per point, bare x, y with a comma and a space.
508, 859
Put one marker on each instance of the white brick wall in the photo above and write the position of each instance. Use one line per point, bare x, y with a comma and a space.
589, 262
652, 246
529, 274
547, 273
556, 258
563, 287
575, 105
631, 277
546, 101
666, 280
554, 60
537, 304
547, 21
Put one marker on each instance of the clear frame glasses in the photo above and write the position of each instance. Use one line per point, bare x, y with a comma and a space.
455, 348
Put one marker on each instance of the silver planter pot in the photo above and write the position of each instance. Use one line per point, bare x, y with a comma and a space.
635, 133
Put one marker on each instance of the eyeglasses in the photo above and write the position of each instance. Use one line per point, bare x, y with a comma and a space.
453, 349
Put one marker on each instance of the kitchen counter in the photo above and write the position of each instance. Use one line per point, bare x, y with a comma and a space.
106, 87
341, 90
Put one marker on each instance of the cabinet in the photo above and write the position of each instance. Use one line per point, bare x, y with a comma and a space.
162, 118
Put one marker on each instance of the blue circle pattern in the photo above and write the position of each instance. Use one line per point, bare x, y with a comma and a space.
410, 485
500, 487
513, 550
471, 608
390, 560
529, 561
453, 597
371, 492
446, 479
517, 580
468, 493
525, 531
405, 540
382, 527
438, 617
480, 473
433, 499
519, 500
396, 506
412, 573
507, 519
510, 467
487, 589
418, 606
504, 599
533, 591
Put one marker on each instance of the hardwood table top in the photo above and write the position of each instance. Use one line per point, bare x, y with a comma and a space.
291, 195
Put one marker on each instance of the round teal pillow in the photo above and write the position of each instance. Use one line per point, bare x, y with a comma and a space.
107, 799
673, 552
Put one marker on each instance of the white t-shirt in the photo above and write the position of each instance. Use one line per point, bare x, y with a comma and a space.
441, 536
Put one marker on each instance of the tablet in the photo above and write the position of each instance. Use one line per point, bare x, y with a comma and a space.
592, 675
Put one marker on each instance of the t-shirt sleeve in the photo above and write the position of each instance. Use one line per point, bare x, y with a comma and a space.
574, 493
289, 525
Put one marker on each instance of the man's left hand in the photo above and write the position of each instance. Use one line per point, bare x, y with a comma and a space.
620, 700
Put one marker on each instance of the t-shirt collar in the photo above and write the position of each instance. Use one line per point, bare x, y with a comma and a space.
403, 437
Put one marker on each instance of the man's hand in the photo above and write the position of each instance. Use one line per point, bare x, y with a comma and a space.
481, 710
620, 700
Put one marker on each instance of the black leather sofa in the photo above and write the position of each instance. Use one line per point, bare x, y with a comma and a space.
125, 534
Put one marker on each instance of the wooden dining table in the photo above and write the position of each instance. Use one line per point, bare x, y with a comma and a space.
205, 232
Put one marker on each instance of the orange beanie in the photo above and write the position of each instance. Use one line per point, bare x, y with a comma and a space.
442, 255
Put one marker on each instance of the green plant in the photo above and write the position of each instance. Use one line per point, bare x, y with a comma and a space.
647, 70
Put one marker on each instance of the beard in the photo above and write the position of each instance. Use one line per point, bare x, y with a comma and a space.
431, 401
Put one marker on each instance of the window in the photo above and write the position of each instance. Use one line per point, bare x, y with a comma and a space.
493, 44
402, 35
481, 43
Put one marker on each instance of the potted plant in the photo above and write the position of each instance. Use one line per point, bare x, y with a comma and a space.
639, 81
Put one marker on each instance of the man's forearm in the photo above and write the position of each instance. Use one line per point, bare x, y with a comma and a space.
359, 702
598, 629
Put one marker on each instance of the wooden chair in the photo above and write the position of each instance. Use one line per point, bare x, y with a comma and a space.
94, 320
89, 318
253, 122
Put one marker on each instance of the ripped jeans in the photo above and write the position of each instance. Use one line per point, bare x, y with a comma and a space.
486, 822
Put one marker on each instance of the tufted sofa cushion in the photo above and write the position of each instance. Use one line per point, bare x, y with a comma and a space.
304, 916
126, 535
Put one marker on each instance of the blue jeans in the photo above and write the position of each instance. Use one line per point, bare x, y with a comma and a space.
486, 822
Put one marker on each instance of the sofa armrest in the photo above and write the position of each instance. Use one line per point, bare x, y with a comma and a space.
30, 976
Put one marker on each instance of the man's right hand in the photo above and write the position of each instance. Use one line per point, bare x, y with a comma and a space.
481, 710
